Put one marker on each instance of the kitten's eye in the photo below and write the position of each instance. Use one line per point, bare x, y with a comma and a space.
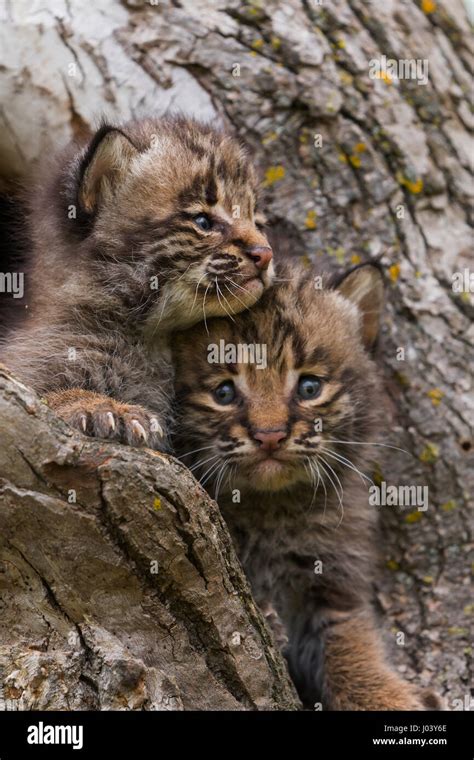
225, 393
203, 222
309, 387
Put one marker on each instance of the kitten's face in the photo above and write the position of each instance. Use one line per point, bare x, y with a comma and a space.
175, 222
274, 427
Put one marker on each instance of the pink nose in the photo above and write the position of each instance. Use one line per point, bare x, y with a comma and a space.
261, 256
269, 439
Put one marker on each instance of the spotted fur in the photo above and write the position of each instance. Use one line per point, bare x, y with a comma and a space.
304, 500
119, 261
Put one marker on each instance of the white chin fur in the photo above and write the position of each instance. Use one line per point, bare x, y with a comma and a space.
181, 308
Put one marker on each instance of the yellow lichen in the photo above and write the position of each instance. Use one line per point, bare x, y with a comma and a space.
414, 517
305, 260
269, 137
435, 394
276, 43
428, 6
341, 43
430, 453
384, 76
394, 272
355, 259
414, 187
355, 161
427, 579
257, 44
377, 476
157, 503
456, 630
274, 174
393, 565
345, 77
340, 254
448, 506
342, 157
310, 221
402, 379
469, 609
360, 147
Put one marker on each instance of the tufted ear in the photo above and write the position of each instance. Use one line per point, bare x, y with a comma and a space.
104, 165
364, 287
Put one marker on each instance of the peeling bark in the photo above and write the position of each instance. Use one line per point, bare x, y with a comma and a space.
391, 179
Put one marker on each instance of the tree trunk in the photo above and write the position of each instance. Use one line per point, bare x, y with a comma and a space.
354, 168
120, 586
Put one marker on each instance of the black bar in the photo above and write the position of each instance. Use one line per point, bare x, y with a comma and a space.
344, 735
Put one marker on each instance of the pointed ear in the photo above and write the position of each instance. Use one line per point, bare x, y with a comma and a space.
105, 163
364, 287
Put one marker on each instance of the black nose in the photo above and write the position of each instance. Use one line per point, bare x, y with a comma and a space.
261, 255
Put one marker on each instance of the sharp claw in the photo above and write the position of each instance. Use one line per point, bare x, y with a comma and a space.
83, 422
155, 427
139, 430
111, 420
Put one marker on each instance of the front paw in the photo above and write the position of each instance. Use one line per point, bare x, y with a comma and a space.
104, 417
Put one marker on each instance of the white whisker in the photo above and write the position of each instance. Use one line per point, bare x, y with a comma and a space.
194, 451
347, 463
204, 308
369, 443
202, 462
236, 296
219, 293
210, 472
325, 465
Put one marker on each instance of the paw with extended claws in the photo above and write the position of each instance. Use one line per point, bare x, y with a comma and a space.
104, 417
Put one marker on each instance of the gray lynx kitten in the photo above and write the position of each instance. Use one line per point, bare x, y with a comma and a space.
283, 445
147, 228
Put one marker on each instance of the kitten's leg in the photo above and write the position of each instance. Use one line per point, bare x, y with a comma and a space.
104, 417
338, 660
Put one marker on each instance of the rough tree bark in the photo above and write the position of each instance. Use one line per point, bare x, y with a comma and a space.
353, 168
119, 585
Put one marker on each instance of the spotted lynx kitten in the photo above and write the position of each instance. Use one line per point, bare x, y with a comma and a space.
149, 227
283, 445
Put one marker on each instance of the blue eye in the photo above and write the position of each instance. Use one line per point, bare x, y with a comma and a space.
309, 387
203, 222
225, 393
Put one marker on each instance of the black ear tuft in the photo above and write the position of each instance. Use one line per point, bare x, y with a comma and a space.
103, 164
